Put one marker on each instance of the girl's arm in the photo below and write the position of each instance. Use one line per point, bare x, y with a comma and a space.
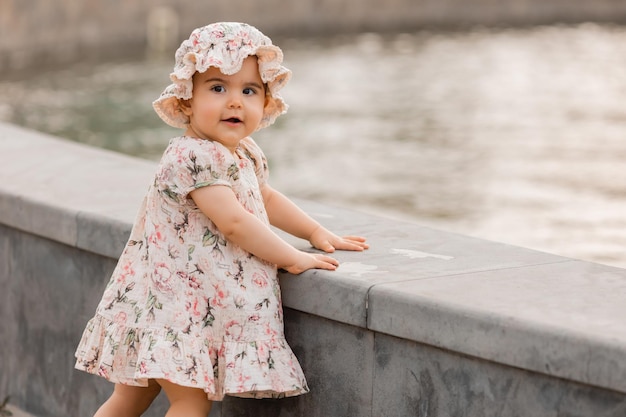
220, 205
287, 216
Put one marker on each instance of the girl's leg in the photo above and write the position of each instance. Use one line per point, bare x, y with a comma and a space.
185, 401
129, 401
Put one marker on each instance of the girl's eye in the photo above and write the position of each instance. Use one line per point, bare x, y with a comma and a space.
218, 88
249, 91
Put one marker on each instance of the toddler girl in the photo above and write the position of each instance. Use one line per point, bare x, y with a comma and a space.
193, 306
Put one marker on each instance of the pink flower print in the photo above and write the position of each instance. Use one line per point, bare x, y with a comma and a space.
184, 178
242, 382
162, 277
173, 251
269, 331
194, 224
127, 270
192, 308
179, 152
156, 236
209, 382
206, 264
143, 368
217, 62
233, 330
195, 38
164, 174
220, 295
260, 279
103, 372
180, 319
277, 382
261, 351
233, 44
218, 155
194, 282
120, 318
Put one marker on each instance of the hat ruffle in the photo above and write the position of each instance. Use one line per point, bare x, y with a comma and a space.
224, 46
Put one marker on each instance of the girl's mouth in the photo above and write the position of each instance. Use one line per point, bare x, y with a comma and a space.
233, 120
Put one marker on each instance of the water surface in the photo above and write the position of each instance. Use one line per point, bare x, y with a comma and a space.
514, 135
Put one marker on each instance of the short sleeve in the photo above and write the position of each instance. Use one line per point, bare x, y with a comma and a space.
188, 164
254, 153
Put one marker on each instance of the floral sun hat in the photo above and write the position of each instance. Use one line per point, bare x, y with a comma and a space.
223, 45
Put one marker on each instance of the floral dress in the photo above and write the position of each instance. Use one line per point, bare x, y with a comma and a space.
183, 303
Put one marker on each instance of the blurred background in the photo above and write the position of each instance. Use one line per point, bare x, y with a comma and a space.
501, 120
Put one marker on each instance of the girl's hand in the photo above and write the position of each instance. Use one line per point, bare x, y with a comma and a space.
323, 239
310, 261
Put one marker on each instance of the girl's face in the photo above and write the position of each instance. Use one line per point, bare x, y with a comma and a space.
226, 108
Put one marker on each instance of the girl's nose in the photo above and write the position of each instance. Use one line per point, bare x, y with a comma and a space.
234, 100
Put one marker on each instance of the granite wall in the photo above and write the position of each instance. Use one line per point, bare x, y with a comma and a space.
425, 323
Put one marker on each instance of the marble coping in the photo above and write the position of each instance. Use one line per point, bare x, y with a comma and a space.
519, 307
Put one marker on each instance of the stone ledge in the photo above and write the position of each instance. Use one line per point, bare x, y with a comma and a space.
563, 319
60, 189
510, 305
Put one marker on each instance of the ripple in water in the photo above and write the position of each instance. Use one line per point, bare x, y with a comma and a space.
512, 135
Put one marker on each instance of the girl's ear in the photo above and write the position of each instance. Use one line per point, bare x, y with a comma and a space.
185, 106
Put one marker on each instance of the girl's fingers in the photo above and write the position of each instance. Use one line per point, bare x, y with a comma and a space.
330, 260
352, 243
327, 247
326, 262
355, 238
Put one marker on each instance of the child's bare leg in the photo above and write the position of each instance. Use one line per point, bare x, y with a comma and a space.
185, 401
129, 401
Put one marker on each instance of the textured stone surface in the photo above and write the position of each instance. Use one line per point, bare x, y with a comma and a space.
564, 319
409, 252
83, 196
51, 292
424, 323
413, 379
